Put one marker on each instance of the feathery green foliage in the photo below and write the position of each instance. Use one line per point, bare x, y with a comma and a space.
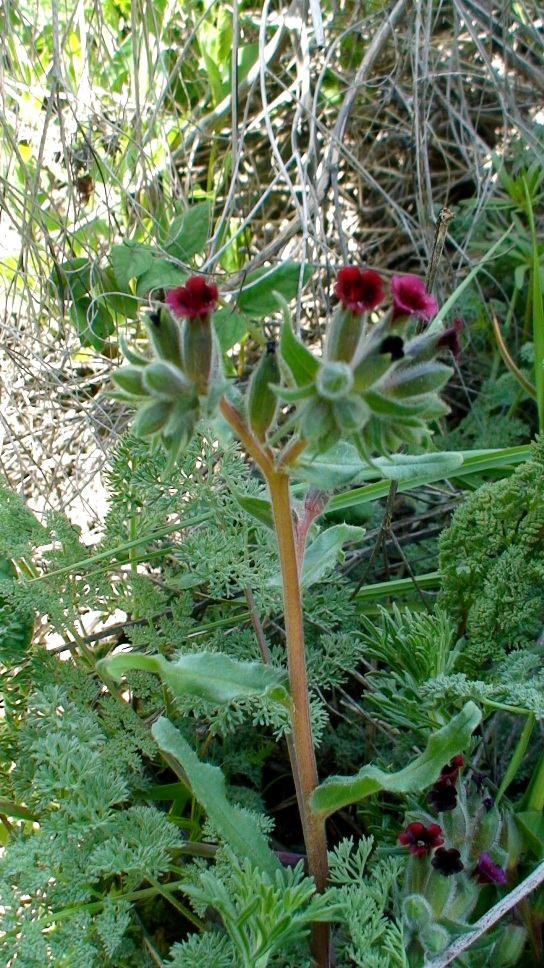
492, 564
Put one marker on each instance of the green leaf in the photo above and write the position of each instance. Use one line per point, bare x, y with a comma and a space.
230, 327
211, 676
339, 792
130, 260
256, 298
324, 553
301, 362
188, 233
119, 302
342, 464
207, 782
531, 824
259, 507
162, 274
72, 279
92, 321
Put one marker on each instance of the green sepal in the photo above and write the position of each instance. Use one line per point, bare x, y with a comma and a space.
152, 418
387, 406
166, 380
302, 364
165, 334
262, 402
129, 379
413, 381
129, 354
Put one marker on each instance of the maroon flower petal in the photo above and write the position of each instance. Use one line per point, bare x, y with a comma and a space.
450, 337
447, 861
421, 839
487, 872
451, 771
409, 298
443, 796
359, 290
195, 298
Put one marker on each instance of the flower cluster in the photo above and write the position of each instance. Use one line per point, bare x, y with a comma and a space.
169, 391
376, 384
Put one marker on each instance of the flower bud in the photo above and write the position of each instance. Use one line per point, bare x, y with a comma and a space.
508, 950
334, 380
410, 381
350, 414
417, 912
262, 402
197, 341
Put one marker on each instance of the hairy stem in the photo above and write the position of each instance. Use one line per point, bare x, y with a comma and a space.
302, 747
300, 744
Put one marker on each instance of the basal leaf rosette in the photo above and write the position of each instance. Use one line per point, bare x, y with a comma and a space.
171, 391
375, 385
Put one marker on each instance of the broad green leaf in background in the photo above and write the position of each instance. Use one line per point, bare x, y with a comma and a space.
338, 792
211, 676
93, 322
188, 233
162, 274
256, 297
130, 260
207, 782
230, 327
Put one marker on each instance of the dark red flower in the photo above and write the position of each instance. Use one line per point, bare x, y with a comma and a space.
359, 290
487, 872
195, 298
451, 771
409, 298
420, 839
447, 862
450, 337
443, 796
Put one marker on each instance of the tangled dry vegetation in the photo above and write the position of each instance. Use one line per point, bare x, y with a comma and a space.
115, 116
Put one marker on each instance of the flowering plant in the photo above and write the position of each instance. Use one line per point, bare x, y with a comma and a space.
376, 387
